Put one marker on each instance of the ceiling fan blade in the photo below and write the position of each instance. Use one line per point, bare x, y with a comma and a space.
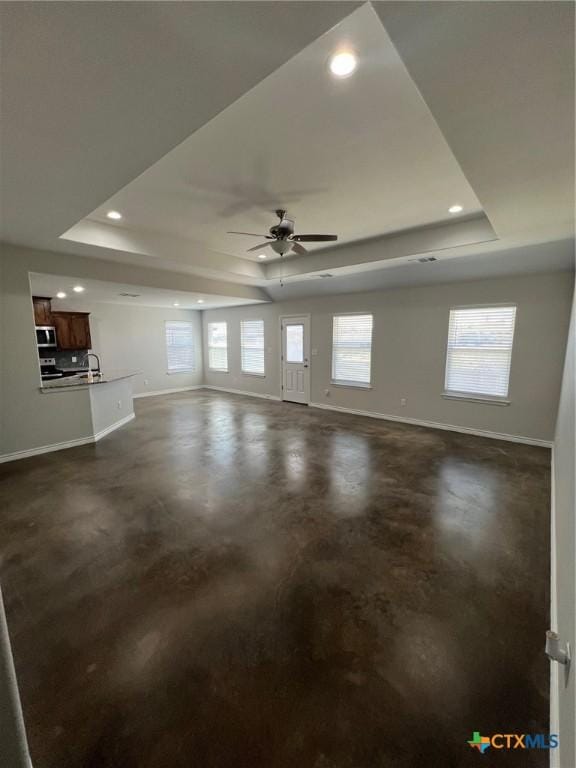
299, 249
258, 247
251, 234
313, 238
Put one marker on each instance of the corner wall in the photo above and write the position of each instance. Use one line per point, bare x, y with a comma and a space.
28, 419
563, 692
409, 347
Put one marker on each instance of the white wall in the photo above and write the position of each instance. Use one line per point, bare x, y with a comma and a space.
564, 545
133, 338
409, 344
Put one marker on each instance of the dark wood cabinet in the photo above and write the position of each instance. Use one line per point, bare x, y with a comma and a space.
72, 330
42, 310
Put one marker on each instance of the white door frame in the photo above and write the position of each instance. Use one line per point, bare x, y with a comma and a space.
307, 356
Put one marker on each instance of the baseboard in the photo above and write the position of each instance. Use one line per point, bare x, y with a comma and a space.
241, 392
157, 392
437, 425
67, 444
112, 427
46, 449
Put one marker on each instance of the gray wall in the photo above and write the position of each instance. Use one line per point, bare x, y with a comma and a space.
141, 344
109, 403
564, 506
408, 354
29, 419
13, 745
409, 344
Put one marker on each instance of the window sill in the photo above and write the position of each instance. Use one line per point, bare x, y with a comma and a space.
476, 398
254, 375
351, 384
218, 370
184, 370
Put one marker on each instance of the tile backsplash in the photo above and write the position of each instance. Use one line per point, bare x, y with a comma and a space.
64, 358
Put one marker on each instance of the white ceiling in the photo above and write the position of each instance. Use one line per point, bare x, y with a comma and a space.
104, 292
157, 108
556, 256
360, 157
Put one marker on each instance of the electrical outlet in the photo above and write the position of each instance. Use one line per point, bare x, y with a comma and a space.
327, 392
403, 402
145, 382
119, 404
74, 359
314, 352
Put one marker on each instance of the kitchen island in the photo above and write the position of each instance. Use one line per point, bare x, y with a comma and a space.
107, 399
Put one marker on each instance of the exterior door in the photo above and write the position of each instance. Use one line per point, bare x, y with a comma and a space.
296, 359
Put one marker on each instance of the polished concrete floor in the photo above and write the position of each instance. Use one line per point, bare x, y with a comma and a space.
229, 582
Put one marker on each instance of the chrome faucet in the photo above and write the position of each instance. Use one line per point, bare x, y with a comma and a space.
87, 359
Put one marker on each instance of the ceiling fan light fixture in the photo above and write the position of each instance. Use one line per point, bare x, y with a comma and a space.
343, 64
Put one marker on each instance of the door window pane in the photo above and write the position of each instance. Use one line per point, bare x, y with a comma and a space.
295, 343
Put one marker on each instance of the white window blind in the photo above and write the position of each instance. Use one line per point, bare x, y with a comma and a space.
351, 349
218, 346
252, 346
480, 350
180, 346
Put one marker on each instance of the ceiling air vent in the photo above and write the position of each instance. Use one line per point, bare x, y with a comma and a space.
130, 295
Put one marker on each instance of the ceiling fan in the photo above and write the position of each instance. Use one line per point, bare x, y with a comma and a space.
282, 238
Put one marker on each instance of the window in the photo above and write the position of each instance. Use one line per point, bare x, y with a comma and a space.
351, 349
218, 346
479, 351
180, 346
252, 346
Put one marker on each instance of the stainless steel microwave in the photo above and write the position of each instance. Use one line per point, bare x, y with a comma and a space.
46, 336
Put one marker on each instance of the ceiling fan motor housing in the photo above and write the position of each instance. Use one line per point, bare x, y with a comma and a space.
284, 228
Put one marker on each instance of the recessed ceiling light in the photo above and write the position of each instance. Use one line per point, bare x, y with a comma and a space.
116, 215
61, 295
78, 288
200, 301
262, 255
455, 209
343, 64
176, 304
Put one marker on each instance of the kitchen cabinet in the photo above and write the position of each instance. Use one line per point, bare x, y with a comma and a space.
72, 330
42, 310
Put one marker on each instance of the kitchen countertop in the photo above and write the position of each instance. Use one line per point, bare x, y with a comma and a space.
76, 382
